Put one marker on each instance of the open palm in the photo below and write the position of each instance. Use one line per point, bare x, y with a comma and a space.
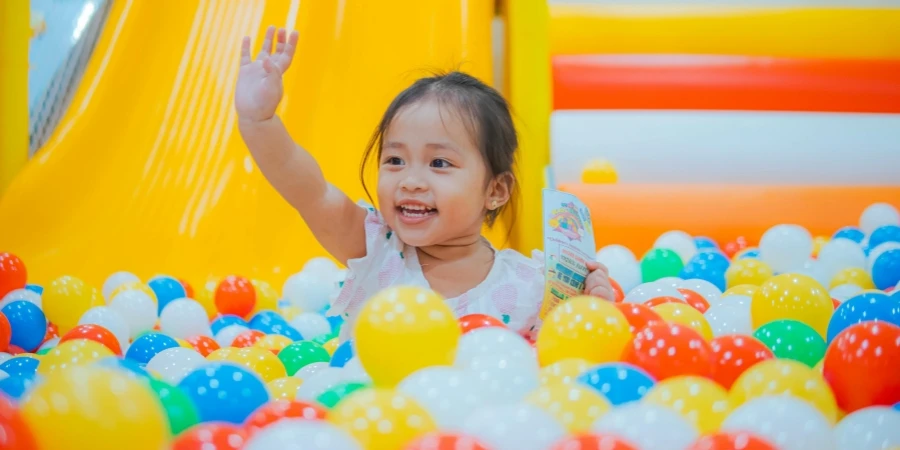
259, 86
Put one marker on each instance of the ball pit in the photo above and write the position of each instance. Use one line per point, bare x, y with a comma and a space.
708, 345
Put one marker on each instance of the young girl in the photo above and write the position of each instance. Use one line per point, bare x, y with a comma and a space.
445, 150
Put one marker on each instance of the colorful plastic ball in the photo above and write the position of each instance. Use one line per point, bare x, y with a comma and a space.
574, 406
20, 366
343, 354
694, 299
708, 265
862, 364
135, 286
137, 309
724, 440
583, 327
180, 411
785, 247
748, 271
300, 354
449, 394
875, 427
270, 322
12, 273
669, 350
336, 323
302, 435
792, 296
5, 332
333, 395
591, 441
402, 329
166, 289
276, 410
884, 233
852, 233
852, 275
647, 426
786, 422
679, 242
116, 280
401, 420
785, 377
790, 339
28, 324
446, 441
222, 321
682, 314
224, 392
266, 296
73, 353
660, 263
620, 383
868, 306
622, 265
703, 242
211, 436
126, 365
183, 318
308, 291
750, 252
14, 432
733, 354
563, 372
16, 386
474, 321
247, 338
310, 325
284, 388
94, 333
36, 288
203, 344
66, 299
110, 319
173, 364
699, 400
638, 316
273, 343
235, 295
886, 269
513, 426
144, 348
259, 361
64, 409
20, 294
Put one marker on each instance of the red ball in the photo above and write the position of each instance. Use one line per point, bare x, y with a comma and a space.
835, 303
694, 299
272, 412
735, 353
235, 295
670, 350
593, 442
445, 441
188, 290
731, 248
203, 344
617, 291
15, 350
247, 338
862, 366
211, 436
639, 316
656, 301
471, 322
741, 440
14, 432
5, 332
94, 333
12, 273
52, 332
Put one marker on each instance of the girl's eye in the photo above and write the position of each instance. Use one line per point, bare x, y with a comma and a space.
393, 161
441, 164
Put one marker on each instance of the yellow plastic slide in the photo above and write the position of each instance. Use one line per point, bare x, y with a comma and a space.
147, 173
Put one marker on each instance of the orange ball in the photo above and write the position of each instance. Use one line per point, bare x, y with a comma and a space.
247, 338
656, 301
617, 291
235, 295
694, 299
203, 344
94, 333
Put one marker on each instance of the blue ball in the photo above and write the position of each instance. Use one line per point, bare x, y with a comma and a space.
270, 322
869, 306
336, 322
620, 383
20, 366
15, 386
708, 265
144, 348
886, 269
852, 233
125, 365
29, 325
166, 289
703, 242
224, 392
342, 354
224, 321
897, 406
35, 288
886, 233
750, 254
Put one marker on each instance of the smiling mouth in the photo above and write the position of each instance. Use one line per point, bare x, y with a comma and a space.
416, 211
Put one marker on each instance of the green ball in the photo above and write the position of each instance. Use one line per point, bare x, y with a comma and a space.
180, 410
791, 339
334, 395
660, 263
301, 354
44, 351
324, 338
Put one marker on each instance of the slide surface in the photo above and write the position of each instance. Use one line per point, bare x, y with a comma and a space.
147, 172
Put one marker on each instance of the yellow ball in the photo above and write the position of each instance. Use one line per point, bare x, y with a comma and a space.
183, 343
583, 327
284, 388
381, 418
259, 361
106, 408
818, 243
66, 299
852, 275
273, 342
266, 297
687, 315
403, 329
74, 353
748, 271
699, 400
289, 312
792, 296
133, 286
785, 377
206, 297
331, 345
742, 289
574, 406
222, 354
599, 171
563, 372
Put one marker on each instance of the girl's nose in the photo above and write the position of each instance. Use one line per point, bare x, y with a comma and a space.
412, 182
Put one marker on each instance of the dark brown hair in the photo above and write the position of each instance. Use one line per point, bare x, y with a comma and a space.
485, 114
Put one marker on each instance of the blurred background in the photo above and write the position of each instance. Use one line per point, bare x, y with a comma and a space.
721, 118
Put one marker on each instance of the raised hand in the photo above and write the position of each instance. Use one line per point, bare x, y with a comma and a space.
259, 87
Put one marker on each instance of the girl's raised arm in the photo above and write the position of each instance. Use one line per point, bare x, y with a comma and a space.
336, 222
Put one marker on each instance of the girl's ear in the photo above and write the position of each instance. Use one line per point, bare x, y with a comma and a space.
499, 190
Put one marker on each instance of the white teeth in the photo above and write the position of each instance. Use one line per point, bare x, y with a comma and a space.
416, 208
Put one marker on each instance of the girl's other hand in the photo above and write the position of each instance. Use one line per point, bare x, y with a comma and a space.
597, 282
259, 86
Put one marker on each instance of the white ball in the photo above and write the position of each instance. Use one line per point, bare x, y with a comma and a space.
51, 343
137, 308
674, 282
729, 318
110, 319
496, 342
878, 251
21, 294
447, 393
647, 291
320, 382
225, 336
353, 371
308, 291
307, 371
839, 254
320, 265
311, 325
173, 364
3, 375
184, 318
872, 428
300, 434
787, 422
878, 215
679, 242
785, 247
709, 291
504, 381
4, 357
514, 427
647, 426
812, 268
734, 299
845, 291
622, 265
115, 280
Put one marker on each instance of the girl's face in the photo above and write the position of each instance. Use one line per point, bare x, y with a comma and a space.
432, 178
